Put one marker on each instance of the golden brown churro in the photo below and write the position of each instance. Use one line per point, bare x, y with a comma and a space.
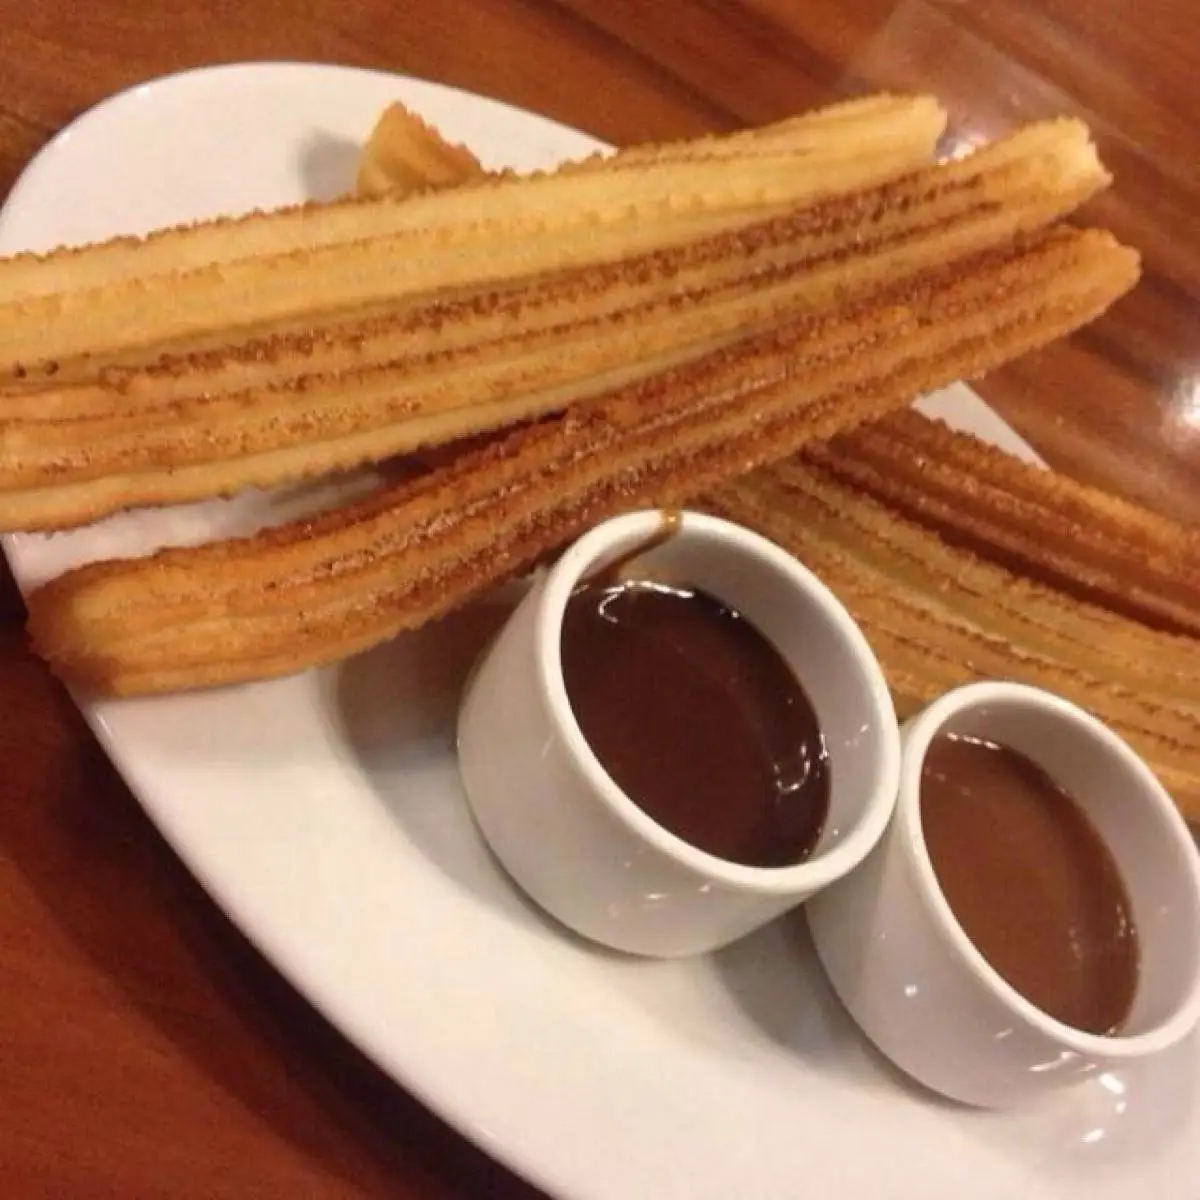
311, 261
939, 615
1082, 540
406, 154
1021, 182
315, 591
289, 410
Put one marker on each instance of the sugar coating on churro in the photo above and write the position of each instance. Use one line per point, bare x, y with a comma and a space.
317, 590
1093, 545
294, 405
74, 309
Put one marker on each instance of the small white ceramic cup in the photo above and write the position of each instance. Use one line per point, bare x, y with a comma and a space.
575, 842
919, 988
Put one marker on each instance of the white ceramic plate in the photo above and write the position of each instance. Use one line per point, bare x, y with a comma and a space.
323, 812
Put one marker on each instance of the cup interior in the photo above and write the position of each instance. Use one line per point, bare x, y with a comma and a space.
1133, 815
806, 624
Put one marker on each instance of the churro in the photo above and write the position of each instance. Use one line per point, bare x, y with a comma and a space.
406, 154
315, 591
292, 407
73, 309
1084, 541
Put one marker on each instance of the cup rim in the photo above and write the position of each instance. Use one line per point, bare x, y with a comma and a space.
919, 733
806, 876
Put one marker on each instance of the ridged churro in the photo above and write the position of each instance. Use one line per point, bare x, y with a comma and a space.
940, 615
311, 261
291, 407
1019, 182
315, 591
1084, 541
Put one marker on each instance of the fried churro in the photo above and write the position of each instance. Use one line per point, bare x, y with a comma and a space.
1020, 182
1044, 524
406, 154
940, 615
315, 260
315, 591
292, 408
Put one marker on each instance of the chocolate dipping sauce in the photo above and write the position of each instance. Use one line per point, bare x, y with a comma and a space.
1030, 881
697, 718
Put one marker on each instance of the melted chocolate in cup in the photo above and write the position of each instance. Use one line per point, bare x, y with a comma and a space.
1030, 881
697, 718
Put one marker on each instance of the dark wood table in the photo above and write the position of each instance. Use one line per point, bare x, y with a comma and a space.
145, 1049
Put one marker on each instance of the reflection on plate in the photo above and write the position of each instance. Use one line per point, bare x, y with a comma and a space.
323, 812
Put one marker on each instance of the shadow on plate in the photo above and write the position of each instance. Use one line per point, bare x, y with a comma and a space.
776, 979
397, 708
328, 165
397, 704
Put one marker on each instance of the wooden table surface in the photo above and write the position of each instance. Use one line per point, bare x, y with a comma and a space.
145, 1049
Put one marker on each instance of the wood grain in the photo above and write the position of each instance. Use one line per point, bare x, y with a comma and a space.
146, 1050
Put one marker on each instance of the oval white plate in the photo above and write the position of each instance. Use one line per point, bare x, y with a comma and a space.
323, 812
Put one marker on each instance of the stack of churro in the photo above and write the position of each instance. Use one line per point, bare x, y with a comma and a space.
663, 327
365, 383
318, 590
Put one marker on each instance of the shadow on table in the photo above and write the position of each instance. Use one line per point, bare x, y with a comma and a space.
110, 883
